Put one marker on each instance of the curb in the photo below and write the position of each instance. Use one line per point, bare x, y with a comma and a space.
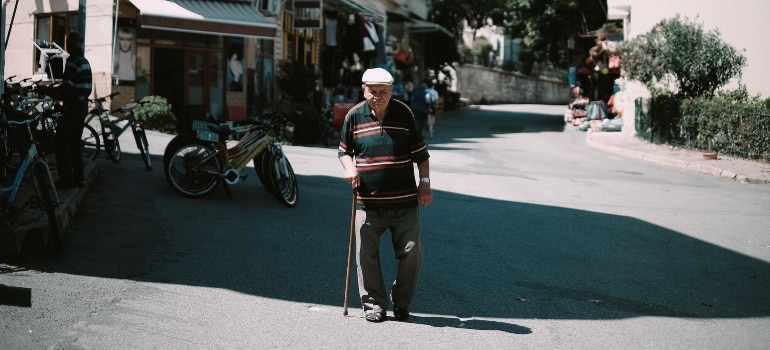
69, 200
689, 165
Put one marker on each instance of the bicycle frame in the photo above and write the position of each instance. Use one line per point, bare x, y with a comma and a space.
9, 193
196, 162
13, 189
253, 141
106, 122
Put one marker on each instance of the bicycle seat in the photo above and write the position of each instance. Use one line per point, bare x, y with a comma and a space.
223, 130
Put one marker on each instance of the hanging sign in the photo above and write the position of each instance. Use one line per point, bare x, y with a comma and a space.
307, 14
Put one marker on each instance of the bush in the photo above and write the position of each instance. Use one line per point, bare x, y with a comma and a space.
155, 114
677, 56
481, 49
665, 119
731, 123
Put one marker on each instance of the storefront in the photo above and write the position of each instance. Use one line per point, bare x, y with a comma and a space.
217, 57
203, 56
195, 54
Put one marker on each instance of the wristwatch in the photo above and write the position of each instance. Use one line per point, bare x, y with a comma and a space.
425, 180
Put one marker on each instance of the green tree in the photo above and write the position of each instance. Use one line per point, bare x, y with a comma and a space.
451, 14
481, 49
545, 25
678, 56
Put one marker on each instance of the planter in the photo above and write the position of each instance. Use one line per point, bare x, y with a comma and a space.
710, 155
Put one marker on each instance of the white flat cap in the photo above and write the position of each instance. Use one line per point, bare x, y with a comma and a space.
375, 76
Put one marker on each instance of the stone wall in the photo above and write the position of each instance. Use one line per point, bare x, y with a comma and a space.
482, 85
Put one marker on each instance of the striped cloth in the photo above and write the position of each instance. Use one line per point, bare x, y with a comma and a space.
384, 154
77, 74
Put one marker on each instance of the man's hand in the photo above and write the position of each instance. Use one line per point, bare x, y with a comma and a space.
351, 176
424, 194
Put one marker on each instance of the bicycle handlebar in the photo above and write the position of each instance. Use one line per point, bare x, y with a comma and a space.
27, 121
129, 106
100, 100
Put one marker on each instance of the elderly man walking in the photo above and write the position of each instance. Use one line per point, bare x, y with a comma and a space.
379, 145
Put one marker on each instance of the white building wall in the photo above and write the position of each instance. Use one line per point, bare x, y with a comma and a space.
742, 24
20, 54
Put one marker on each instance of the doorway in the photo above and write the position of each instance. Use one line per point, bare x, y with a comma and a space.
192, 81
169, 82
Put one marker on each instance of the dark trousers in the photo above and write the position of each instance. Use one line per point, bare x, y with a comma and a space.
69, 131
404, 226
420, 121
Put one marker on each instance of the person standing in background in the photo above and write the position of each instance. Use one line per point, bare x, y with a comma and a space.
235, 67
420, 105
432, 99
74, 91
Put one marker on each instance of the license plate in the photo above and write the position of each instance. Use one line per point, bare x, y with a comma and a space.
200, 125
208, 136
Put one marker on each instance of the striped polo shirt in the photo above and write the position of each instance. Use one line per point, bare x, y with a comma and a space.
77, 73
384, 154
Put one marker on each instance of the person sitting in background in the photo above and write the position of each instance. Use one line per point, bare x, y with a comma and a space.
614, 122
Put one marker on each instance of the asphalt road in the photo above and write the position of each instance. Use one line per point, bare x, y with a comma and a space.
534, 241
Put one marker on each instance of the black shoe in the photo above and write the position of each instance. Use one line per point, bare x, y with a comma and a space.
82, 184
401, 314
375, 315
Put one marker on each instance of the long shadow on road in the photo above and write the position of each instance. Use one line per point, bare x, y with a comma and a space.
484, 258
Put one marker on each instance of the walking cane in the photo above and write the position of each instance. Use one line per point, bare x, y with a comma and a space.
350, 252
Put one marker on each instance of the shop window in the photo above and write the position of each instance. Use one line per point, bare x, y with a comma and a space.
269, 7
264, 93
300, 44
142, 71
53, 27
216, 41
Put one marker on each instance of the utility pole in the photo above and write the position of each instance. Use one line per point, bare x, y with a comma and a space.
2, 48
82, 17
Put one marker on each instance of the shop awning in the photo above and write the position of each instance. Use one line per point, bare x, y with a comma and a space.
356, 7
424, 27
206, 17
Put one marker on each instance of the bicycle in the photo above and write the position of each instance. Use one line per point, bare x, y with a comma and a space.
28, 99
196, 162
137, 129
110, 131
18, 126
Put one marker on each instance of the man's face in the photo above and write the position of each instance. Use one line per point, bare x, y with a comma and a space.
378, 95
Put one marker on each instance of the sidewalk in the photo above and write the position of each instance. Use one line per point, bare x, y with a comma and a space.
744, 171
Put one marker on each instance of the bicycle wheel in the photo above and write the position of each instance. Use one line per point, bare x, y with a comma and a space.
261, 165
144, 147
112, 144
90, 142
45, 134
49, 198
190, 168
282, 180
5, 154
